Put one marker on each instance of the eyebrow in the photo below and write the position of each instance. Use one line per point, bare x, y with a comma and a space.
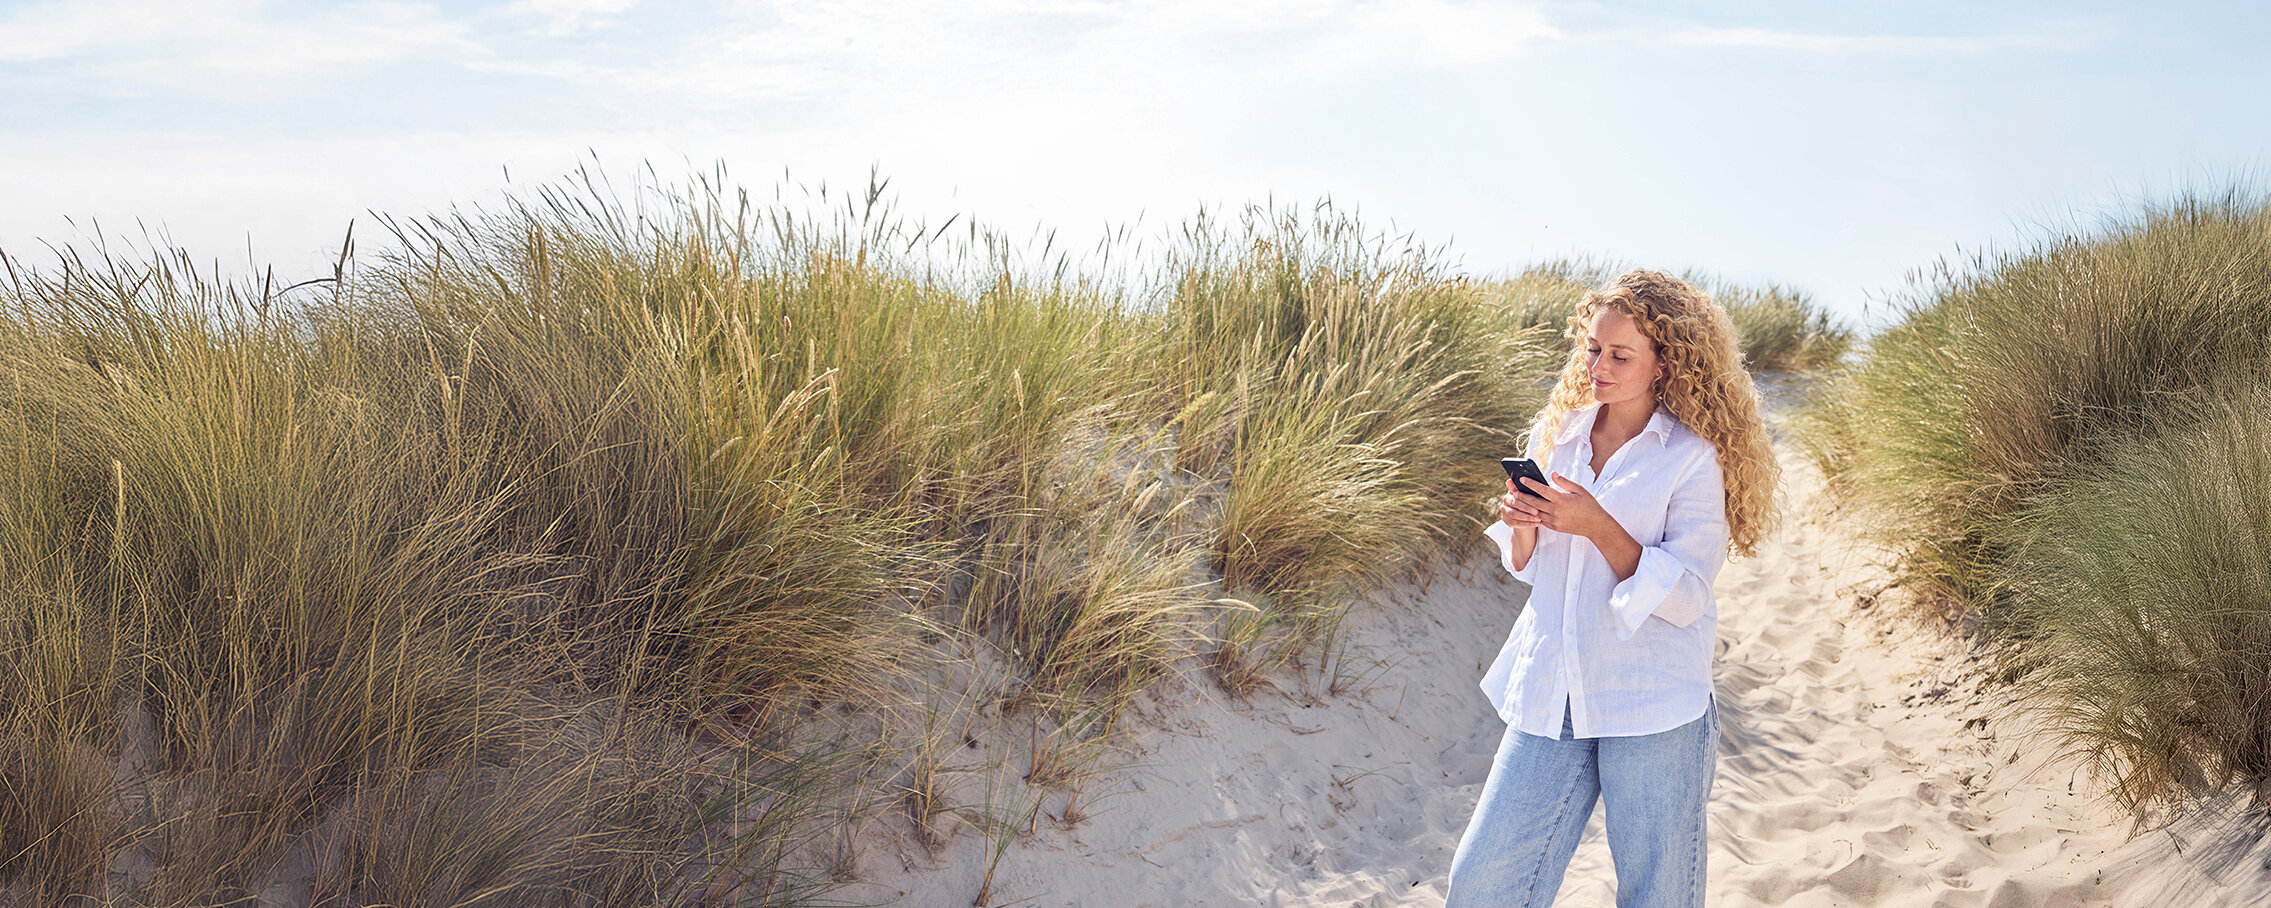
1613, 346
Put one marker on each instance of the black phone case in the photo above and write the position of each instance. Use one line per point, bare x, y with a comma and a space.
1517, 467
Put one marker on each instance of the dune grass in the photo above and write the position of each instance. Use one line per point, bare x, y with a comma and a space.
1780, 329
2064, 443
269, 573
1367, 394
585, 550
2143, 592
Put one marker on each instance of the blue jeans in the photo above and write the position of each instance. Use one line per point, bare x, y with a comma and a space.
1541, 791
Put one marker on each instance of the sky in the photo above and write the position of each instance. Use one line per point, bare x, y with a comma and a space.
1836, 148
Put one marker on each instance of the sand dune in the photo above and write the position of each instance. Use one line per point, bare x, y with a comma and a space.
1861, 763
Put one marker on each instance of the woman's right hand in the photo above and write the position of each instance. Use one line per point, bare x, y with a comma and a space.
1515, 510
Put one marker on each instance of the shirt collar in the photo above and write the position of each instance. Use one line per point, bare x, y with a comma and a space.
1659, 423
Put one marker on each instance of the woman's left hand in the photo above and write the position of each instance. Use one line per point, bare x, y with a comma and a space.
1569, 508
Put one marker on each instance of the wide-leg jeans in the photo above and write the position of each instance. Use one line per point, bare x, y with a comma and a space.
1540, 793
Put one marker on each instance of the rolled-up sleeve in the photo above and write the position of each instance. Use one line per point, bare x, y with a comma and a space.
1674, 579
1502, 534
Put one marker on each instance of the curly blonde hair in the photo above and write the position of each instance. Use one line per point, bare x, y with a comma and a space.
1699, 378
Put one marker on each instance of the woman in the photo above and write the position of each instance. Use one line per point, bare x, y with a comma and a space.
1658, 467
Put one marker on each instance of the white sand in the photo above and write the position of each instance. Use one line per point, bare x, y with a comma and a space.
1859, 766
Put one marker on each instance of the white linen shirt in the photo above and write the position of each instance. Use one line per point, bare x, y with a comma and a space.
1630, 657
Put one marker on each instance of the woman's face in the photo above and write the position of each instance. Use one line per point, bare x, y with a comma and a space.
1622, 360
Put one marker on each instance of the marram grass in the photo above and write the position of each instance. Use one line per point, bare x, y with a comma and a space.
2064, 444
1779, 328
2008, 373
592, 551
2143, 591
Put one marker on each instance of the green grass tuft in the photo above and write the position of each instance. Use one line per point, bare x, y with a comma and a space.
2142, 590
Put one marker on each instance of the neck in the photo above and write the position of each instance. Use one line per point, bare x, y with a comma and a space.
1626, 418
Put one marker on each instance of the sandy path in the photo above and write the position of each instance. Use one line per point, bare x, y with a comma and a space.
1858, 766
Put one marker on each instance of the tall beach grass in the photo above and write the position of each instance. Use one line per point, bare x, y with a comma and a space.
259, 635
590, 550
2143, 592
1780, 328
2065, 444
1367, 394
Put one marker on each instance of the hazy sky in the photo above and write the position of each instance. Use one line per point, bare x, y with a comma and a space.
1830, 146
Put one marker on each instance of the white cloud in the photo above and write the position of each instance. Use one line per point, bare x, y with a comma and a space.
1879, 45
1449, 32
222, 48
851, 52
568, 17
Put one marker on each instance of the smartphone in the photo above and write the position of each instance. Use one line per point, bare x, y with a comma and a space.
1519, 467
